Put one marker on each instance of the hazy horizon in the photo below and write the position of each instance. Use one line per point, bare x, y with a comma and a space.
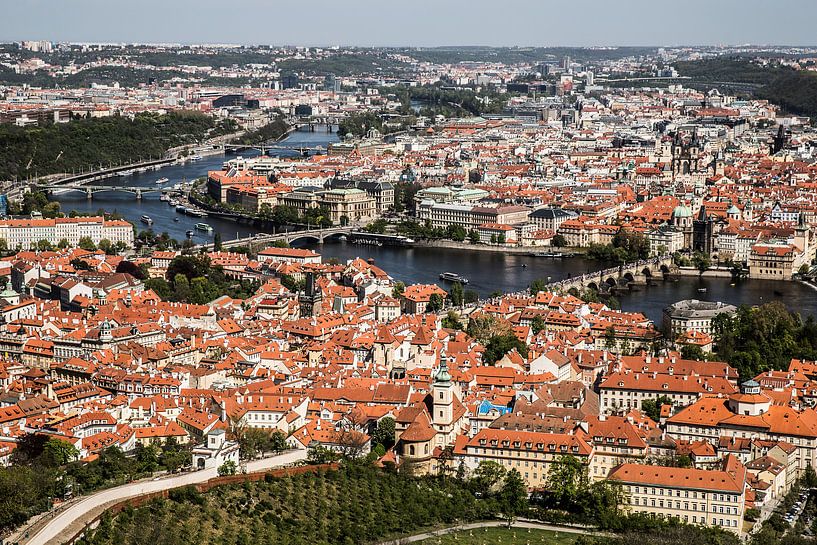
423, 23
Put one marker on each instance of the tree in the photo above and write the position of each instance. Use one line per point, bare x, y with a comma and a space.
189, 266
173, 455
499, 345
452, 320
435, 303
566, 480
456, 232
181, 288
536, 286
692, 352
44, 245
610, 341
217, 242
87, 244
227, 468
131, 268
701, 261
473, 236
470, 297
318, 454
160, 287
537, 324
57, 452
487, 476
558, 241
500, 239
513, 497
652, 407
384, 433
456, 295
493, 238
107, 246
398, 289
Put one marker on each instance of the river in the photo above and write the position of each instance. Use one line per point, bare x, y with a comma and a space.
162, 213
493, 271
487, 271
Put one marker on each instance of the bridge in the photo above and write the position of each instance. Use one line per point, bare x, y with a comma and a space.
617, 278
85, 177
89, 190
264, 148
312, 235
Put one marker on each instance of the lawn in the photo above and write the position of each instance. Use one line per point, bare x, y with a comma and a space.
503, 536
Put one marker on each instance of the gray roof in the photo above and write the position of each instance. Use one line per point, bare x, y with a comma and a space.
551, 213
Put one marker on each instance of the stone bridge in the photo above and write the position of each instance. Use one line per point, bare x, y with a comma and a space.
617, 278
314, 235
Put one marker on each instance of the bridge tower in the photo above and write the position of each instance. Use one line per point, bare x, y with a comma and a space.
89, 193
138, 194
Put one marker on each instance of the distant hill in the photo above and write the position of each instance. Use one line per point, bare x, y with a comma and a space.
793, 90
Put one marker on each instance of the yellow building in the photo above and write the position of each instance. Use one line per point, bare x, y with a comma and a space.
696, 496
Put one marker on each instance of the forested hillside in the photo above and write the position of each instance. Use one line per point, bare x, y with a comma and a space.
89, 143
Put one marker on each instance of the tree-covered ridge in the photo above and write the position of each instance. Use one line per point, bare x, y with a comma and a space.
793, 90
91, 143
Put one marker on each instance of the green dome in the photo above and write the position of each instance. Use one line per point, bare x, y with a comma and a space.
682, 211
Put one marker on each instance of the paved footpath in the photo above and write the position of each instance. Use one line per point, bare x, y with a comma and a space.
489, 524
71, 520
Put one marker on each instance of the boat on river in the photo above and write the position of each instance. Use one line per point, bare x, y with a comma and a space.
147, 219
453, 277
204, 227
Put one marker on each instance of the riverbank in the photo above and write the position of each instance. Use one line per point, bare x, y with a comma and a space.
518, 250
715, 272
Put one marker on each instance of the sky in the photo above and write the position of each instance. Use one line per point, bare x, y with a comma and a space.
414, 22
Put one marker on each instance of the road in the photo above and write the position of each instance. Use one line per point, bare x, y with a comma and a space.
73, 519
488, 524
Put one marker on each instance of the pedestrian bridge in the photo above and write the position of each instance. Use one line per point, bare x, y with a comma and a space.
624, 276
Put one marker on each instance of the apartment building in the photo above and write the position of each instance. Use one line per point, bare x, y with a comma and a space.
696, 496
24, 233
470, 216
530, 453
626, 390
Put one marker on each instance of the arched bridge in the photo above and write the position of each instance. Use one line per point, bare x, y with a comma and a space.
89, 190
313, 235
621, 277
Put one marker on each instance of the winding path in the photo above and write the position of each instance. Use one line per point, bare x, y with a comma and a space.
71, 520
523, 524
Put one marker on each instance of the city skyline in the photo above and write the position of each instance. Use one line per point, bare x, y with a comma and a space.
477, 23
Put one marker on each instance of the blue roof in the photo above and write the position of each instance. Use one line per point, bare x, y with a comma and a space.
486, 406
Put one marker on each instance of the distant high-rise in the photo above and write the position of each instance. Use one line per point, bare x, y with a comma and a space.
566, 63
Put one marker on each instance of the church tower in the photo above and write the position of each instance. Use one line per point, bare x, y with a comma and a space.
443, 392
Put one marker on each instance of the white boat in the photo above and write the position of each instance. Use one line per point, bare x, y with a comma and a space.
204, 227
164, 197
161, 181
453, 277
196, 157
147, 219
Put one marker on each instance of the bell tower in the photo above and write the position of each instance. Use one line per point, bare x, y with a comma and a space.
443, 392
